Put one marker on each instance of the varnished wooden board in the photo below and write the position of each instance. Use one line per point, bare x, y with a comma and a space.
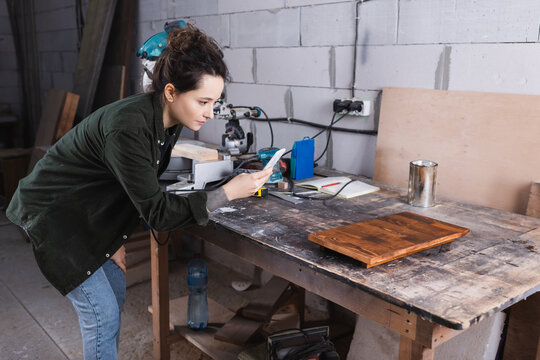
386, 238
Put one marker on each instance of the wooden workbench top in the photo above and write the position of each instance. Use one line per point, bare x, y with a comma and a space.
455, 285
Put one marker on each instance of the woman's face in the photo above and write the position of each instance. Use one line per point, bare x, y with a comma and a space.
193, 108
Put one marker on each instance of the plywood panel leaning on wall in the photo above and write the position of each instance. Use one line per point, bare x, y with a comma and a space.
485, 143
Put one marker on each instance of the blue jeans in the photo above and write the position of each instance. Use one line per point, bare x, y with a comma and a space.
98, 302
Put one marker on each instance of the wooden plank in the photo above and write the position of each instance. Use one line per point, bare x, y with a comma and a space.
467, 134
160, 298
111, 85
120, 46
194, 152
411, 350
67, 115
377, 241
522, 339
93, 45
251, 318
533, 205
50, 116
239, 330
266, 300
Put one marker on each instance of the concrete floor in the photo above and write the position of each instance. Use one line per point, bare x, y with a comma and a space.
39, 323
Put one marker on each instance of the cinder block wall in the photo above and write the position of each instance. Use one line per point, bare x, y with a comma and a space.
293, 57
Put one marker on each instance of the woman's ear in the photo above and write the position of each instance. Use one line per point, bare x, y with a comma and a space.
169, 92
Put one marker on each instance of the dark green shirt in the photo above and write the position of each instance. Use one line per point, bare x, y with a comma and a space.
84, 198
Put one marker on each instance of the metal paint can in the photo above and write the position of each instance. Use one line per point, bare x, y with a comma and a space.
422, 183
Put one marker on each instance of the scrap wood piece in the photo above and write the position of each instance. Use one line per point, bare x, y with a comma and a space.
239, 330
249, 320
267, 300
50, 115
533, 206
67, 115
194, 152
93, 45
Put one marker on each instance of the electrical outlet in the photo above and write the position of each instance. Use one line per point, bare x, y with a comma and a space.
354, 107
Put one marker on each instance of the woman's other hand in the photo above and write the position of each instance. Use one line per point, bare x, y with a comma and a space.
119, 258
245, 184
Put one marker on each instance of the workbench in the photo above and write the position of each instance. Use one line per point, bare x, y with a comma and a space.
427, 298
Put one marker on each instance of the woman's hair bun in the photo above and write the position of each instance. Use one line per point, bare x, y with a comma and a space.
189, 55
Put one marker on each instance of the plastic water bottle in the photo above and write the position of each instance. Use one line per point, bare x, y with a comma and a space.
197, 280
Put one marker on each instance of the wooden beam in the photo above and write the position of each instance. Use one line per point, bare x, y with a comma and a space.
52, 111
160, 297
67, 116
93, 45
411, 350
533, 205
523, 337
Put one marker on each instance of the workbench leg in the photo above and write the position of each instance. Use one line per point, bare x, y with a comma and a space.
411, 350
160, 297
523, 337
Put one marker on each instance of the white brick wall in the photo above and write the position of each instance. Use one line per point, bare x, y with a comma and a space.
304, 66
185, 8
400, 66
327, 24
266, 28
291, 3
60, 19
377, 22
216, 26
42, 6
505, 68
292, 57
442, 21
232, 6
60, 40
240, 63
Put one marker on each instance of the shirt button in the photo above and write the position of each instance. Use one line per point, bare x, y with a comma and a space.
158, 141
107, 255
124, 237
88, 273
157, 162
163, 142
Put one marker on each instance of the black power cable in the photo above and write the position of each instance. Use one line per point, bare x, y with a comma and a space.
309, 123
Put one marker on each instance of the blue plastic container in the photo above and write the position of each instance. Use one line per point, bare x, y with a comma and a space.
302, 156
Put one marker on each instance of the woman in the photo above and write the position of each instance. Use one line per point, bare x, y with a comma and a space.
84, 198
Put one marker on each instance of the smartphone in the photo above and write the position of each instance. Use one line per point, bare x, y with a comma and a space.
273, 161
